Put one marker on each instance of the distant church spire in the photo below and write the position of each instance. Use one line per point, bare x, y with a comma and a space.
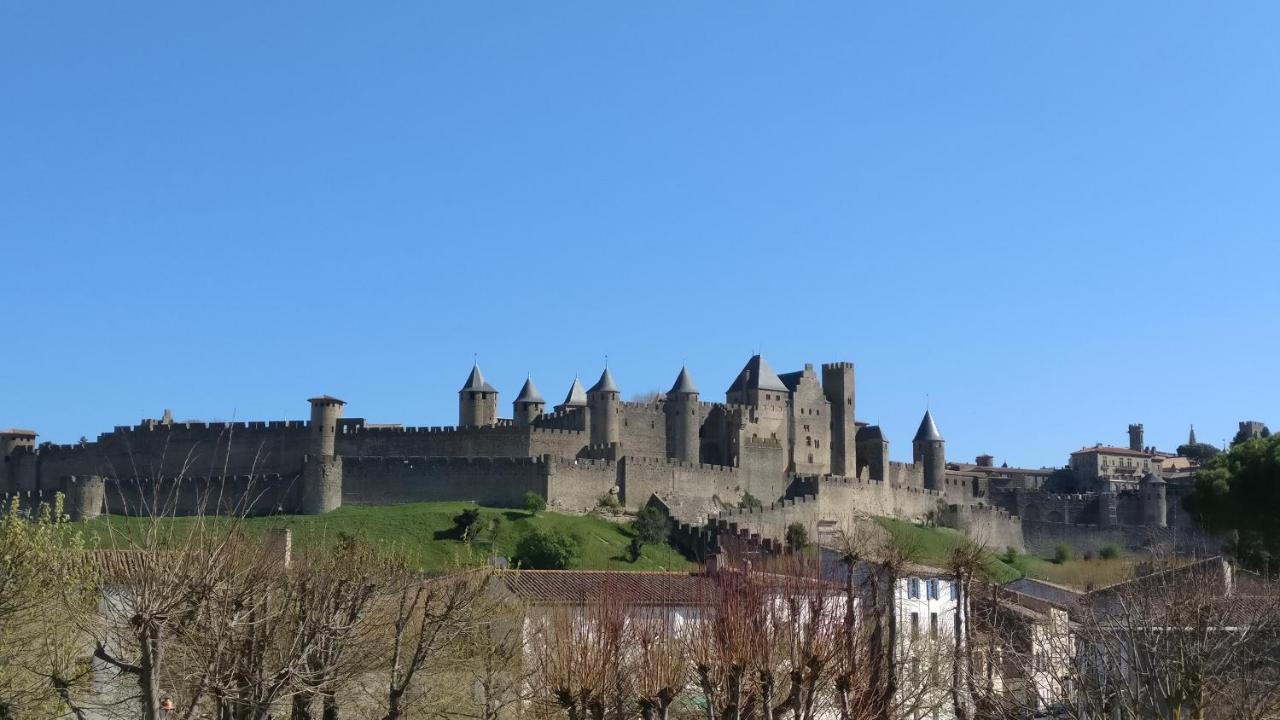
1191, 439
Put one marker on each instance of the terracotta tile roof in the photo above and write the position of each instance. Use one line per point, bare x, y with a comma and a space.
116, 564
1111, 450
580, 586
643, 588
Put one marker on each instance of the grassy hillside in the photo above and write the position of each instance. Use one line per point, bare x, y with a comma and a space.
422, 533
933, 545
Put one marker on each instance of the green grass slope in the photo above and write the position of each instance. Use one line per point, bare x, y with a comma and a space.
932, 545
422, 534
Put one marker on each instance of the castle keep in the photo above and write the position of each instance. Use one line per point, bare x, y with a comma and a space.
792, 441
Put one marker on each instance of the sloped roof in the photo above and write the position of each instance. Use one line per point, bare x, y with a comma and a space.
928, 430
605, 383
19, 432
577, 397
326, 398
529, 393
581, 586
757, 375
684, 384
1048, 592
1111, 450
476, 382
869, 432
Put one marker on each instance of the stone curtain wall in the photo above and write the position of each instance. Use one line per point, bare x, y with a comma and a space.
840, 497
494, 441
773, 519
578, 484
502, 482
991, 527
181, 449
641, 478
643, 430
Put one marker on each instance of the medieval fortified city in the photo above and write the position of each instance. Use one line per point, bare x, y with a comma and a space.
834, 360
792, 441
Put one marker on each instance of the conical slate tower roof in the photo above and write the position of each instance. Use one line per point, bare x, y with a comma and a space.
1191, 439
684, 384
476, 382
605, 383
529, 393
577, 397
928, 430
757, 375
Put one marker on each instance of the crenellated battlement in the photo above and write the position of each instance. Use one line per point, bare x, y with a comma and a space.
985, 510
775, 506
436, 461
762, 443
506, 428
581, 463
673, 463
215, 426
654, 405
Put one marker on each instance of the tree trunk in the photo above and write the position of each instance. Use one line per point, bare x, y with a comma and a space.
330, 706
148, 682
300, 708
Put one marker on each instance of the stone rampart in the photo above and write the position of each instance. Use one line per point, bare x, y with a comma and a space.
843, 497
579, 484
771, 521
991, 527
500, 482
181, 449
490, 441
641, 478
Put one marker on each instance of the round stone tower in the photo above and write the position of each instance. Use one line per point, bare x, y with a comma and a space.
603, 401
477, 401
928, 450
529, 405
322, 470
1155, 507
682, 418
83, 496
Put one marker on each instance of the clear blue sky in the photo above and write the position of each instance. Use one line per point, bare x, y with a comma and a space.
1051, 218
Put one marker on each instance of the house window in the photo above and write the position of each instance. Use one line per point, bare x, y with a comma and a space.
933, 624
913, 588
933, 589
915, 625
955, 591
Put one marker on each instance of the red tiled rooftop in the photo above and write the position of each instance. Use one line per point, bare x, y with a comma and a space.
578, 586
1111, 450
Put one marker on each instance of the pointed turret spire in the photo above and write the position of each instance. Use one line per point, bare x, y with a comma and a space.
476, 382
757, 375
928, 430
1191, 439
577, 397
684, 384
605, 383
529, 393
